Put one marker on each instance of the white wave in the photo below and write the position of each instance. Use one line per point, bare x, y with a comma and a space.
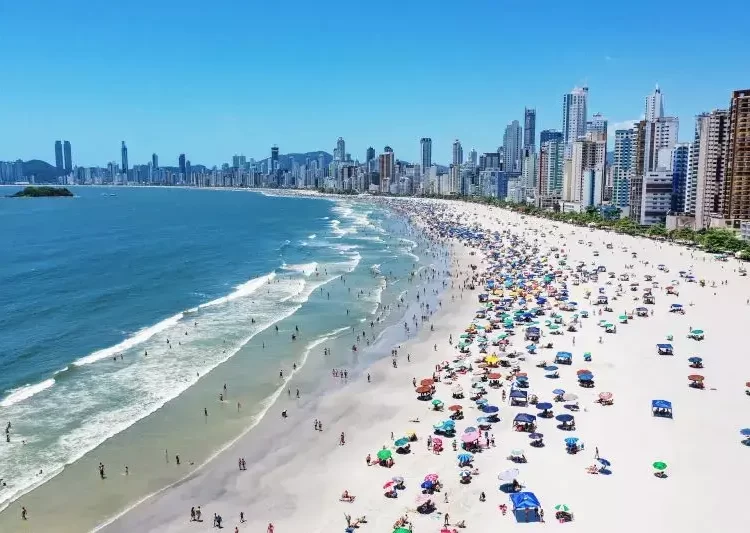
27, 391
240, 291
307, 269
141, 336
312, 236
413, 256
408, 241
373, 238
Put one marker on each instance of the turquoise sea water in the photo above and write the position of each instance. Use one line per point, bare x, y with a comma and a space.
94, 287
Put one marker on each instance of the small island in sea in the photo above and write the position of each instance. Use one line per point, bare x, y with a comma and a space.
40, 192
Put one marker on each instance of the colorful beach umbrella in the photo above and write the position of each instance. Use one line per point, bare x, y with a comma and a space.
384, 455
465, 457
400, 443
605, 396
508, 475
562, 508
660, 465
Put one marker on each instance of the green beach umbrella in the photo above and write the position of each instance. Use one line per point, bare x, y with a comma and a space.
401, 530
609, 325
696, 332
623, 317
562, 507
464, 336
660, 465
554, 327
437, 402
384, 455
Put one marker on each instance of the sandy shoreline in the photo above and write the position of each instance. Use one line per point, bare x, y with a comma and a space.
299, 484
295, 475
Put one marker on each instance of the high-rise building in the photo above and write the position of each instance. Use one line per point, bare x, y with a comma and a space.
473, 158
154, 161
425, 146
574, 114
458, 153
623, 167
652, 198
67, 152
59, 161
654, 105
680, 167
529, 128
274, 159
736, 205
551, 159
528, 169
712, 136
512, 147
596, 128
340, 152
181, 161
660, 134
370, 154
387, 165
124, 153
550, 135
586, 155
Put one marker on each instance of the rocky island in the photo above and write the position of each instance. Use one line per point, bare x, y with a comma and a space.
40, 192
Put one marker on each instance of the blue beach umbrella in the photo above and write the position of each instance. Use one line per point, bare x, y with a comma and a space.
470, 429
564, 418
544, 406
571, 441
550, 368
482, 401
695, 360
535, 436
489, 409
558, 392
401, 442
604, 462
427, 485
586, 377
745, 432
464, 457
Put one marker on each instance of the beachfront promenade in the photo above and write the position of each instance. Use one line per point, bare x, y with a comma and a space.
599, 461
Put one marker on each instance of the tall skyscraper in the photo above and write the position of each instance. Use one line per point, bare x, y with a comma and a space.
551, 159
387, 165
181, 161
155, 161
529, 128
574, 114
473, 158
512, 147
458, 153
654, 105
274, 159
124, 153
67, 152
737, 184
425, 145
550, 135
623, 167
713, 141
370, 154
660, 134
596, 128
680, 167
340, 154
59, 162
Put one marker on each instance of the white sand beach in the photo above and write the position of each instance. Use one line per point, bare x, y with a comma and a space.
295, 475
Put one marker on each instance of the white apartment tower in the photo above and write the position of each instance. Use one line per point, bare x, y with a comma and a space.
574, 114
712, 132
458, 153
512, 147
654, 105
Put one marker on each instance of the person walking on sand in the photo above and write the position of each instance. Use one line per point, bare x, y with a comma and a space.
192, 514
446, 522
342, 439
270, 528
23, 513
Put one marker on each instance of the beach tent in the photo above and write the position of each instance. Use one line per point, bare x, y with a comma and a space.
665, 349
564, 358
524, 500
661, 408
519, 397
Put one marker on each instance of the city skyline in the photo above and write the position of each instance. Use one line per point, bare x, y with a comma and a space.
97, 102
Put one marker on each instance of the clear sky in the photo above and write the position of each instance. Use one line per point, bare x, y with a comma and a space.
214, 78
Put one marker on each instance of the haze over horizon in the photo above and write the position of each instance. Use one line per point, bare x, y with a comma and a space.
181, 77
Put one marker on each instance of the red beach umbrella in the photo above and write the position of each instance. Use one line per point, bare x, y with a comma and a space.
583, 371
695, 377
605, 396
495, 375
522, 375
424, 389
455, 408
427, 382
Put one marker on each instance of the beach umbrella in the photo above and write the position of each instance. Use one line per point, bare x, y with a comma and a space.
570, 397
437, 402
508, 475
397, 479
427, 382
402, 529
696, 332
660, 465
745, 432
481, 401
494, 375
544, 406
550, 368
564, 418
536, 436
695, 377
558, 392
604, 462
465, 473
422, 499
424, 390
586, 377
470, 437
490, 409
400, 443
384, 455
561, 507
516, 453
583, 371
470, 429
571, 441
455, 408
389, 484
695, 360
432, 478
465, 457
605, 396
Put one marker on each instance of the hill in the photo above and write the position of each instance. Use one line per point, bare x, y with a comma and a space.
42, 171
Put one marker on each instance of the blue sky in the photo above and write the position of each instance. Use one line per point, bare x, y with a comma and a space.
216, 78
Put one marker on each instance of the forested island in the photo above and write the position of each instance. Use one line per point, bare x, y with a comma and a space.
41, 192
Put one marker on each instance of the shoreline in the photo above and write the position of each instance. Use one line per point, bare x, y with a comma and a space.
234, 428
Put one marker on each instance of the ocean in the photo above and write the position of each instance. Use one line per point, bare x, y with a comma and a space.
122, 303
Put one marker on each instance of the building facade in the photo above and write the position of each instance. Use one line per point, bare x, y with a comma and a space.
574, 114
425, 146
529, 128
654, 105
736, 205
512, 147
713, 135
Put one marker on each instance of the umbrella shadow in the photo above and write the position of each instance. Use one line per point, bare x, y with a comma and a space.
605, 471
746, 442
507, 488
551, 376
403, 451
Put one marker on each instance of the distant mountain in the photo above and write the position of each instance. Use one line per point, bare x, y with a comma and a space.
42, 171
